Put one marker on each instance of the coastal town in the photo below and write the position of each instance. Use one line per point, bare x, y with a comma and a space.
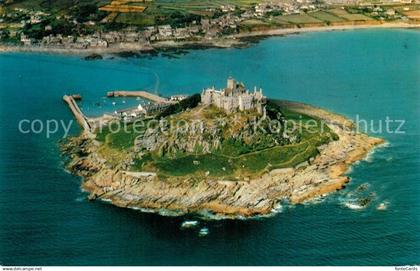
104, 27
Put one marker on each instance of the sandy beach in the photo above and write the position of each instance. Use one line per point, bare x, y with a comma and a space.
288, 31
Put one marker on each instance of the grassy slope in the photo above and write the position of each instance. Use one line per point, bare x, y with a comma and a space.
222, 164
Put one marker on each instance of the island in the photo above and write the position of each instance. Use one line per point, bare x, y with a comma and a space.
221, 153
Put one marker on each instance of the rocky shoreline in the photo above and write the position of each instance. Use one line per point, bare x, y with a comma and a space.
217, 197
230, 41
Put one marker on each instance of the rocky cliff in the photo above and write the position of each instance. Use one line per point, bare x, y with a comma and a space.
216, 196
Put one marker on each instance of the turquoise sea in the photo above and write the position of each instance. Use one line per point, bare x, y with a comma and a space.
45, 219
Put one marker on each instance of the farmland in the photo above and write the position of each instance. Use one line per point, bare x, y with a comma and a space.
300, 19
326, 16
349, 16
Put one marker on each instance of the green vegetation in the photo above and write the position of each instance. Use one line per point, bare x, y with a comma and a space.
254, 25
249, 164
300, 19
273, 110
123, 138
235, 157
85, 17
176, 13
188, 103
326, 17
349, 16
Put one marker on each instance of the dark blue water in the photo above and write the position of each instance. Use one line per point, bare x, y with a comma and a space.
45, 220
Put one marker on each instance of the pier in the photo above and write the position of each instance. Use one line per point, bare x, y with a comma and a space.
142, 94
78, 114
91, 124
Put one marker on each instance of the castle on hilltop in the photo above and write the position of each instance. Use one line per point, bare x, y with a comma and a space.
235, 97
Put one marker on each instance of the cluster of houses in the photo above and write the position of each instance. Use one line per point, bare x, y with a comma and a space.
208, 28
285, 7
20, 17
383, 13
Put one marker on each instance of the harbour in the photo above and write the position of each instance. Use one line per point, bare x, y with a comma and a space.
90, 124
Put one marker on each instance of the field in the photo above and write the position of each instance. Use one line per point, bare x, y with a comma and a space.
254, 25
326, 17
180, 13
413, 14
124, 6
168, 8
196, 5
62, 6
299, 19
349, 16
134, 12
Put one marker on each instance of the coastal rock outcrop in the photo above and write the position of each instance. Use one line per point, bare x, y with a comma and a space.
211, 195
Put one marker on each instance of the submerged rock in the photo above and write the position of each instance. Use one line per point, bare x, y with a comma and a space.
93, 57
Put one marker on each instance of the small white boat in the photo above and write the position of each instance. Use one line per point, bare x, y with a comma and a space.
114, 103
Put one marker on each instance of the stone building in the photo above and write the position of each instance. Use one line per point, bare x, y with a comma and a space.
235, 97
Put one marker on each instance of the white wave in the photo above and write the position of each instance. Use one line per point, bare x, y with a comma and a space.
387, 144
80, 199
189, 224
351, 202
383, 206
203, 232
353, 206
278, 208
315, 200
370, 155
106, 200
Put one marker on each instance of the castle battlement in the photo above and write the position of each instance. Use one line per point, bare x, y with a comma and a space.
234, 97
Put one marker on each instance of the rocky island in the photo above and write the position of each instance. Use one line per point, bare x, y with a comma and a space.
222, 153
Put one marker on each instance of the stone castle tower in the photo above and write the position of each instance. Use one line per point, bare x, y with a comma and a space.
234, 97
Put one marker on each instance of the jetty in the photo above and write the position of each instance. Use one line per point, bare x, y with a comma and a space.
78, 114
77, 97
142, 94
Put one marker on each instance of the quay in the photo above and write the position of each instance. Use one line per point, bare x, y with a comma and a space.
78, 114
142, 94
77, 97
128, 115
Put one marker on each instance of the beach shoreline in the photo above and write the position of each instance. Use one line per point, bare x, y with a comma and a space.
237, 40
